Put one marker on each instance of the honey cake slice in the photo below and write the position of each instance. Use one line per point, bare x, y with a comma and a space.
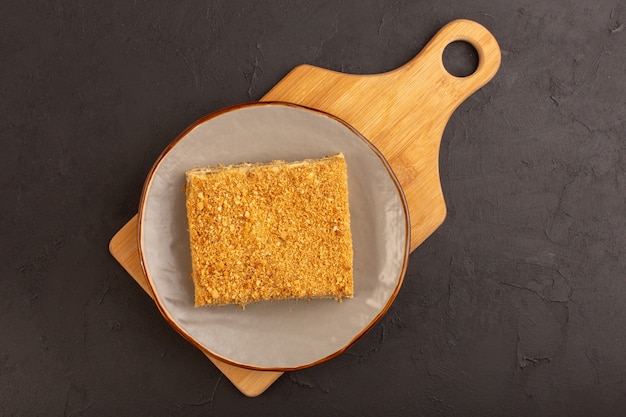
270, 231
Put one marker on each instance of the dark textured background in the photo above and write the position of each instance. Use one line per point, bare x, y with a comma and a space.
516, 306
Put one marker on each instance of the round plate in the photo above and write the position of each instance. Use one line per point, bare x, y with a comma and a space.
278, 335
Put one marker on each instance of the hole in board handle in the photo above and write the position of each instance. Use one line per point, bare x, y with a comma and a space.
460, 59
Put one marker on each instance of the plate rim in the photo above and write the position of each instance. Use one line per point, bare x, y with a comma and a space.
140, 227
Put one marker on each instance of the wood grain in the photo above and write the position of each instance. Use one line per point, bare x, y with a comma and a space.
403, 112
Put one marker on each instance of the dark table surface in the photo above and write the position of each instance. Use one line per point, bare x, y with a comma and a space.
515, 306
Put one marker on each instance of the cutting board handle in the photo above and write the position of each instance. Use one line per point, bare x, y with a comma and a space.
402, 112
430, 59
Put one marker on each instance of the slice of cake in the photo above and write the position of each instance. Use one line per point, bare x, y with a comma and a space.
271, 231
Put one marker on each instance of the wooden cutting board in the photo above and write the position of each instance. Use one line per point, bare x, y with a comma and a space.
403, 112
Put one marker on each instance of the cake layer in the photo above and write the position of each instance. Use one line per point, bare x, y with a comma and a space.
271, 231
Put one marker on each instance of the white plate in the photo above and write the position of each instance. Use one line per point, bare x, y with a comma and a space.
279, 335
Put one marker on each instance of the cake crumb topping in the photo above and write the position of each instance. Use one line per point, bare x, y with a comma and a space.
271, 231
